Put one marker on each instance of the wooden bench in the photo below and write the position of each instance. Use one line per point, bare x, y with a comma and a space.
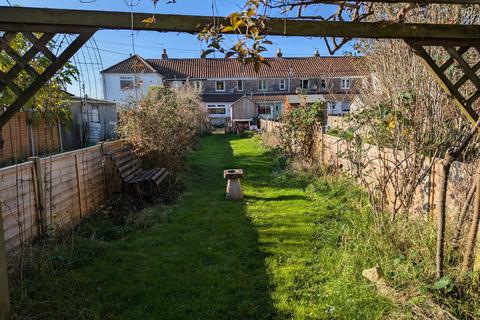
129, 168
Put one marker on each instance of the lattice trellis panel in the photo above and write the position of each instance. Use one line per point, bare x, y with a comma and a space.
38, 45
456, 69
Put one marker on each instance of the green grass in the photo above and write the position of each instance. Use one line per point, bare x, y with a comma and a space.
287, 251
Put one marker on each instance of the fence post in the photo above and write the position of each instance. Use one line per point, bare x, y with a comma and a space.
39, 195
79, 186
4, 291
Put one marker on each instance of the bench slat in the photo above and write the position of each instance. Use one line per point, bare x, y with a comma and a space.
159, 180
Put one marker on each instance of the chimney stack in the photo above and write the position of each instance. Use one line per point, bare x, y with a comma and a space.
279, 53
316, 54
164, 54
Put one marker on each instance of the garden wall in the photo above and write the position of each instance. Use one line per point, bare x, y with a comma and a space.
332, 152
53, 193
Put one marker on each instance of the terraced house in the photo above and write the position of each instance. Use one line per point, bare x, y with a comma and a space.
286, 82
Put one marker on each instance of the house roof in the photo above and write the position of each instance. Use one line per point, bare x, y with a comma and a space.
134, 64
306, 67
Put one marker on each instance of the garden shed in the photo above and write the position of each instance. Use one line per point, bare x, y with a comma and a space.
244, 109
93, 120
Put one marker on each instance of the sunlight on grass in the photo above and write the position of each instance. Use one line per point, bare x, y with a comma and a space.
287, 251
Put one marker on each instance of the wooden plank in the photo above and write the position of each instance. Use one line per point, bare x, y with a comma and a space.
61, 21
4, 290
444, 82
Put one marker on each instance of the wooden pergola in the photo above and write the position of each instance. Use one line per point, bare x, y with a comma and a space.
39, 27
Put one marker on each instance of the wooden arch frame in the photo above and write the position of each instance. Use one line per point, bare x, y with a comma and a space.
456, 39
39, 26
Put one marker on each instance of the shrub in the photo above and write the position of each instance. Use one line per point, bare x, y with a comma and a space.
165, 125
299, 131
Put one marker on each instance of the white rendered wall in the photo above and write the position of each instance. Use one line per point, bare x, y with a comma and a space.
113, 92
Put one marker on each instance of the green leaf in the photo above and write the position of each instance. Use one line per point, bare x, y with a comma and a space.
442, 283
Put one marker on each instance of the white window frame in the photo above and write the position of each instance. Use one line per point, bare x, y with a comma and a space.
127, 78
217, 106
216, 85
346, 83
282, 84
262, 85
240, 85
302, 82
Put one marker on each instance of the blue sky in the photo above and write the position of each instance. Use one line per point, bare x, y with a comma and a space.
114, 46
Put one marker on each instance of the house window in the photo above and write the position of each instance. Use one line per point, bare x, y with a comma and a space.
323, 84
216, 109
240, 85
264, 108
198, 85
262, 85
282, 85
346, 83
126, 83
304, 84
94, 114
220, 86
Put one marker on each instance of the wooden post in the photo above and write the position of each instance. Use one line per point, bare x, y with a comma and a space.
4, 291
79, 187
39, 195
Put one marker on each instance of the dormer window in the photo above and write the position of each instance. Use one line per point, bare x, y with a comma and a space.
346, 83
220, 86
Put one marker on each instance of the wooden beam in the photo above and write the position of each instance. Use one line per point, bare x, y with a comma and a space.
444, 82
44, 77
67, 21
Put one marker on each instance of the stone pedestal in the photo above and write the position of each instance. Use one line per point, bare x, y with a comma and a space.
234, 187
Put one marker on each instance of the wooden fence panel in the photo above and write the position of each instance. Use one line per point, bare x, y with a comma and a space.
73, 186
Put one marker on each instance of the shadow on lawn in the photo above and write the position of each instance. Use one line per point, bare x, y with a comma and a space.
199, 260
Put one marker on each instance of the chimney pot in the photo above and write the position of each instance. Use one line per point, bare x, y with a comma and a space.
316, 54
164, 54
279, 53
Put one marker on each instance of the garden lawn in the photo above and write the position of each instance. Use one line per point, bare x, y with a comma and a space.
287, 251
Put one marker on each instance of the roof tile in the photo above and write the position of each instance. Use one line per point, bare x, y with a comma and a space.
305, 67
